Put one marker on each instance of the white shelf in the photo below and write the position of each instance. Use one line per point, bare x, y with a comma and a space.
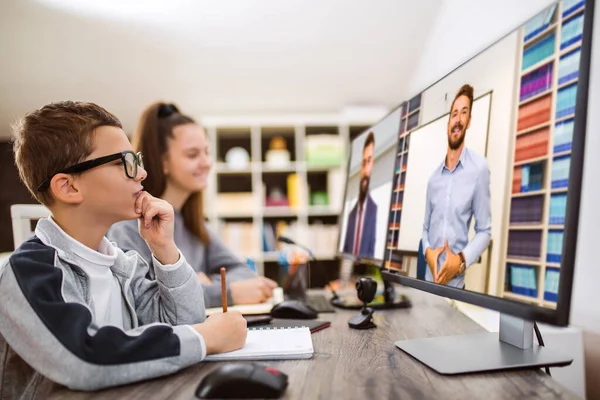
235, 214
569, 49
562, 153
223, 168
524, 261
528, 194
525, 227
280, 212
531, 160
536, 97
533, 128
547, 60
565, 118
322, 211
291, 168
540, 35
574, 14
568, 83
553, 265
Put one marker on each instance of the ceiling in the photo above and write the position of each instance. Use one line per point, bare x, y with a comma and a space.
211, 57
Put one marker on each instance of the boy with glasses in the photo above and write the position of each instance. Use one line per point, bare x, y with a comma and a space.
74, 309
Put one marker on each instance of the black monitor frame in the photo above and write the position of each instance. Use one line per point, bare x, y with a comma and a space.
559, 316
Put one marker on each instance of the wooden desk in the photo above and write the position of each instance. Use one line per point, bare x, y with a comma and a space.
351, 364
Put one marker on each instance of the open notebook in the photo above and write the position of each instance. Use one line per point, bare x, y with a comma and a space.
244, 309
271, 344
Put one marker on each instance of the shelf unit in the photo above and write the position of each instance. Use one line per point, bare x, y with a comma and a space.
540, 163
248, 215
410, 120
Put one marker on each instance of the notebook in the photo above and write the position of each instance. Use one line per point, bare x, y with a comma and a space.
313, 325
245, 309
271, 344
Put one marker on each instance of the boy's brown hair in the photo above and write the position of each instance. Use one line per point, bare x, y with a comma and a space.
51, 139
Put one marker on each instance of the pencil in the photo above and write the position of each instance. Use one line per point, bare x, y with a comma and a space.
223, 289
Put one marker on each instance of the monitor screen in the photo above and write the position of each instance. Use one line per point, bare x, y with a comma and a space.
486, 200
366, 204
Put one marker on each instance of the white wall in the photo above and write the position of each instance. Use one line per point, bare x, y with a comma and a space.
449, 46
585, 302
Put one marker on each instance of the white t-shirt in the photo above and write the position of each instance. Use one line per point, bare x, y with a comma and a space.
104, 287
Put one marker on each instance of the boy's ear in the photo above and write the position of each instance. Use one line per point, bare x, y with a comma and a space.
65, 188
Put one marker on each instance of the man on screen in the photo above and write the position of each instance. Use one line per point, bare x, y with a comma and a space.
457, 191
362, 220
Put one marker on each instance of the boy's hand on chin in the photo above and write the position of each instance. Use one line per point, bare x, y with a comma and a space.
156, 225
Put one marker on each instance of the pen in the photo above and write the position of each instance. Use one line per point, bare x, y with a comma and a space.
223, 290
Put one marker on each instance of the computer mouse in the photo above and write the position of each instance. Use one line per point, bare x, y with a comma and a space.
242, 381
293, 309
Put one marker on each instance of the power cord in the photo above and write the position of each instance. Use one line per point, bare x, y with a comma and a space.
538, 335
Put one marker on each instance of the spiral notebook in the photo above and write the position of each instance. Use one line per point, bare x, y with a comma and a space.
271, 344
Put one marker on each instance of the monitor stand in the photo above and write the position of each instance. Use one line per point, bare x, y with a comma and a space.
391, 300
511, 348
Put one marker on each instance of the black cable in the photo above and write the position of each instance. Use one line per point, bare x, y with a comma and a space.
538, 334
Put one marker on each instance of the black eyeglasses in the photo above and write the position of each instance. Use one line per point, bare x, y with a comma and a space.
130, 161
166, 110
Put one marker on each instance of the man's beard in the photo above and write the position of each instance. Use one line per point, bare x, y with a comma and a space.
458, 142
364, 188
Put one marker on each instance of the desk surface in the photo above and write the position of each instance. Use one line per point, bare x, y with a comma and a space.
351, 364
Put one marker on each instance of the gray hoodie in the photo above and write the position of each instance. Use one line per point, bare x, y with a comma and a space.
203, 258
47, 329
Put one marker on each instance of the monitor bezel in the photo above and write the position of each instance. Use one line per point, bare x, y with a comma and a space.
560, 315
350, 257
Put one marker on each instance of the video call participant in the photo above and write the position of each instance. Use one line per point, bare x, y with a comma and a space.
362, 220
457, 191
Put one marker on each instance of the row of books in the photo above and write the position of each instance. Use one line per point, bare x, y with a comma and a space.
414, 103
398, 197
534, 113
319, 237
558, 208
565, 101
392, 238
568, 66
539, 23
532, 177
524, 244
413, 121
532, 145
538, 51
523, 280
551, 284
560, 172
536, 82
555, 245
572, 31
271, 231
569, 6
527, 210
241, 238
563, 136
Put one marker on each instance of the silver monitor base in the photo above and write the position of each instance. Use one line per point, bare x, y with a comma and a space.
511, 348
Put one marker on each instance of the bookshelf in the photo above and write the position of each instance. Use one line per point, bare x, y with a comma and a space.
410, 120
548, 64
305, 194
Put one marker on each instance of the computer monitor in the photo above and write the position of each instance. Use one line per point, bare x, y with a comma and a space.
363, 226
491, 190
